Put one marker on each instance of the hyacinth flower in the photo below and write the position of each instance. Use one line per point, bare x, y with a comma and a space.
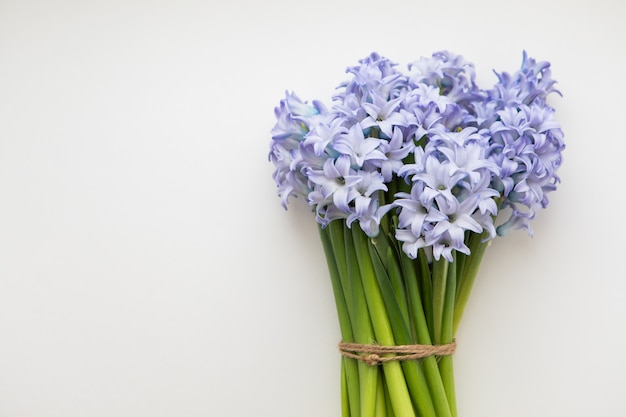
410, 176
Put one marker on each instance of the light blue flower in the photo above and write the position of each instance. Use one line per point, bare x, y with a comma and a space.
288, 128
415, 209
383, 114
293, 120
425, 120
411, 243
350, 110
450, 73
531, 84
294, 117
425, 95
375, 73
439, 178
290, 180
395, 151
325, 133
456, 220
528, 148
368, 212
335, 182
357, 147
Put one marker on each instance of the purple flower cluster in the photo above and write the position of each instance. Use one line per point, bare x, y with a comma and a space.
427, 146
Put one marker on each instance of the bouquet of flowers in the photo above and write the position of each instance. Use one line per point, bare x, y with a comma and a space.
410, 175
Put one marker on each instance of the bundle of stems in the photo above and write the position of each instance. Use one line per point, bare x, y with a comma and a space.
383, 297
407, 174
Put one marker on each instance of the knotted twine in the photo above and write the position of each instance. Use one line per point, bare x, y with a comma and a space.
377, 354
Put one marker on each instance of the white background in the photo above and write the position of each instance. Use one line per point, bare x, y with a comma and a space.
148, 269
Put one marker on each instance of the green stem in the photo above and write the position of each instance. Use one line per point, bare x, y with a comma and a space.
426, 287
387, 255
447, 375
445, 363
398, 318
448, 303
387, 399
398, 391
332, 259
478, 245
381, 402
429, 364
333, 241
345, 396
440, 277
362, 326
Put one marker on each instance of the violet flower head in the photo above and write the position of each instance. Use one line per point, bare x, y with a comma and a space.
451, 73
375, 73
357, 147
426, 155
450, 195
528, 144
293, 120
531, 84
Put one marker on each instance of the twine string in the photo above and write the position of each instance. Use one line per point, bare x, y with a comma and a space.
377, 354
